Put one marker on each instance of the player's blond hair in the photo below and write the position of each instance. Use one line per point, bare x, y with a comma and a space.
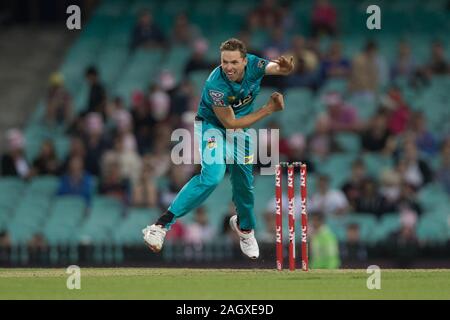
234, 44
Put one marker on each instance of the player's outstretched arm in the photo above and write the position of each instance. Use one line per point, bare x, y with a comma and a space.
281, 66
229, 121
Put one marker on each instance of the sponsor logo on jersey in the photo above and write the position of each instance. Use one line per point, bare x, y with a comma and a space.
212, 143
217, 97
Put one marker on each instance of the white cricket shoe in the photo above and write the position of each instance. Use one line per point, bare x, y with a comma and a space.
248, 243
154, 237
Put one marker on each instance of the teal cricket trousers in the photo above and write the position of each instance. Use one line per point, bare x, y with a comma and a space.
216, 152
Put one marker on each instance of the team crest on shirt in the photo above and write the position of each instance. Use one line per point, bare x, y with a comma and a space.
217, 97
261, 63
212, 143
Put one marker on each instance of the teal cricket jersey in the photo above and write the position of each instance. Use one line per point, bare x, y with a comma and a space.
219, 91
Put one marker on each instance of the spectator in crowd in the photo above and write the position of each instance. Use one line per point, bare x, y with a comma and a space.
324, 244
390, 187
438, 63
377, 138
426, 141
353, 249
306, 65
345, 117
198, 59
113, 185
442, 174
146, 33
397, 111
334, 65
321, 142
412, 168
353, 187
37, 244
296, 150
268, 15
184, 33
408, 200
123, 128
160, 154
404, 64
277, 44
143, 122
404, 242
14, 162
365, 73
5, 241
76, 181
145, 191
182, 100
177, 232
112, 109
97, 94
95, 142
159, 101
199, 232
59, 110
370, 200
329, 201
76, 149
47, 162
324, 18
129, 161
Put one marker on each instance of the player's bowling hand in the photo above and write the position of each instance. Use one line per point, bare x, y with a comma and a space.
286, 64
276, 102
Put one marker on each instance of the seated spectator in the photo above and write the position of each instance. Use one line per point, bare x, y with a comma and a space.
129, 161
377, 138
112, 109
76, 181
59, 110
277, 44
334, 65
443, 172
408, 200
143, 122
199, 232
412, 168
113, 185
159, 99
321, 142
324, 244
47, 162
370, 200
97, 93
305, 73
198, 59
329, 201
160, 153
146, 33
390, 187
268, 15
404, 64
438, 63
352, 188
426, 142
123, 128
184, 33
397, 110
324, 17
95, 142
345, 116
353, 249
76, 149
13, 161
365, 74
145, 192
295, 148
404, 242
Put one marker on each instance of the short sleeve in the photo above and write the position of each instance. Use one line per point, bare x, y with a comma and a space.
215, 95
257, 66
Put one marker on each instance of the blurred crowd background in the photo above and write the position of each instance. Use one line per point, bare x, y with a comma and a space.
367, 110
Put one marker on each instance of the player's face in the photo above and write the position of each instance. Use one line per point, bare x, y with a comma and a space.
233, 64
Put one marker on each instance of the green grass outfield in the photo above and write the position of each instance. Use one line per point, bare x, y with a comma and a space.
167, 284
